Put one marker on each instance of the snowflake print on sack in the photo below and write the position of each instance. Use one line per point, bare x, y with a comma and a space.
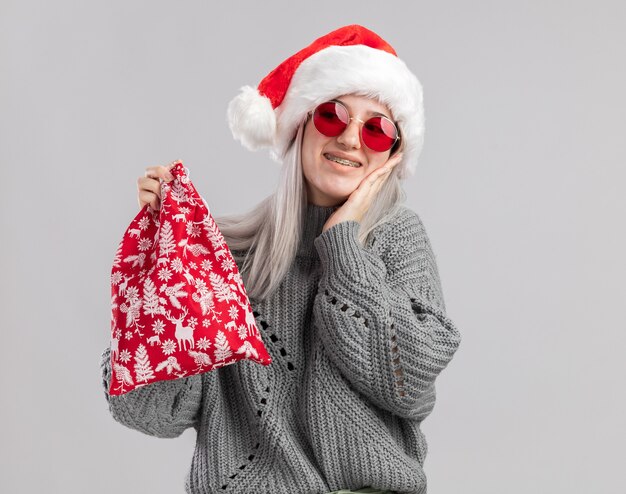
125, 356
158, 327
233, 311
242, 332
228, 265
168, 347
193, 230
178, 303
116, 277
165, 274
203, 343
145, 244
144, 223
177, 265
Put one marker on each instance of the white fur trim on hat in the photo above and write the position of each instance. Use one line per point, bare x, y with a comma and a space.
251, 119
355, 69
329, 73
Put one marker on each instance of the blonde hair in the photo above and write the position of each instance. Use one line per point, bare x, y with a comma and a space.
266, 238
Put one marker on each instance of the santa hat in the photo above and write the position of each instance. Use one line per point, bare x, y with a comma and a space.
349, 60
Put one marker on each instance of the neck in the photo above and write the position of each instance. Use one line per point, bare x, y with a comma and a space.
314, 218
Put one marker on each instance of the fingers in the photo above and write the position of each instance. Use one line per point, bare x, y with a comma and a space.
161, 172
392, 162
149, 198
149, 186
378, 176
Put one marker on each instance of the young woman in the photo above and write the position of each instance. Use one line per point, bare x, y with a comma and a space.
344, 286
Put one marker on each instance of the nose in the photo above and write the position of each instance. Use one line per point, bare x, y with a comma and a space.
350, 137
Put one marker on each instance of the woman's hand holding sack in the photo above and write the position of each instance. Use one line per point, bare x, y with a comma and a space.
149, 186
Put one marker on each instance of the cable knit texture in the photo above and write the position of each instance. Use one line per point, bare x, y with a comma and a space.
357, 337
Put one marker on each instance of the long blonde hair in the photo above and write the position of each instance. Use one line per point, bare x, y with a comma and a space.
266, 238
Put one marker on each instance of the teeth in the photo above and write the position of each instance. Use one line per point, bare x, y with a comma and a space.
342, 161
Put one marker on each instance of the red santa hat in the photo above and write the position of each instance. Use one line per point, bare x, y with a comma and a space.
349, 60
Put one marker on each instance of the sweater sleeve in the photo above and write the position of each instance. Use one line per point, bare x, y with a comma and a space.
161, 409
382, 318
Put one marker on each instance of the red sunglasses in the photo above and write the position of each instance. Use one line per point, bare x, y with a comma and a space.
378, 133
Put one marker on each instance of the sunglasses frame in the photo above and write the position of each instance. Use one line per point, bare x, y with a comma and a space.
335, 102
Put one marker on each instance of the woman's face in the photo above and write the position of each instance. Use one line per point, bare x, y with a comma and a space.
328, 182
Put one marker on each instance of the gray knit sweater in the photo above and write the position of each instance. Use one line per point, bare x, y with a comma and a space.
357, 338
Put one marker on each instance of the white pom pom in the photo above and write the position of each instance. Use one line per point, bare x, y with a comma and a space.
251, 119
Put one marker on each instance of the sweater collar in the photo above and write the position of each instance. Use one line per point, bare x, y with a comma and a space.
313, 221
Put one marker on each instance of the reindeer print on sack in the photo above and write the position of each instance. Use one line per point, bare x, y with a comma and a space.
184, 334
178, 303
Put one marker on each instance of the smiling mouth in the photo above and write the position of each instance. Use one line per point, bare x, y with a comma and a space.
341, 161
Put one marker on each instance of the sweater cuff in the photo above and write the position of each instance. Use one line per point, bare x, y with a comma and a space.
105, 370
342, 254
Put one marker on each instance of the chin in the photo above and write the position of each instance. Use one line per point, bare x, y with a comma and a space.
338, 197
334, 197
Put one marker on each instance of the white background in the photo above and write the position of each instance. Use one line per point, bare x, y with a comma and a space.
520, 186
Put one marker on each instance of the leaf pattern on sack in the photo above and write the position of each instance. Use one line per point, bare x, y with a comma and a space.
178, 303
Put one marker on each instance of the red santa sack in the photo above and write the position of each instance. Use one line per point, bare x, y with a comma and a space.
178, 304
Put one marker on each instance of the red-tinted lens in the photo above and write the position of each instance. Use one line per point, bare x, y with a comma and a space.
379, 134
330, 119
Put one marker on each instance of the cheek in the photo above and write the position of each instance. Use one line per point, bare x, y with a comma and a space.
312, 145
376, 160
306, 152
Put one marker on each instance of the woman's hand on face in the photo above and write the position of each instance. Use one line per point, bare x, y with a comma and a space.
149, 186
360, 200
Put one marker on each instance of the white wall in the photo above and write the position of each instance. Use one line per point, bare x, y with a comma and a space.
520, 186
